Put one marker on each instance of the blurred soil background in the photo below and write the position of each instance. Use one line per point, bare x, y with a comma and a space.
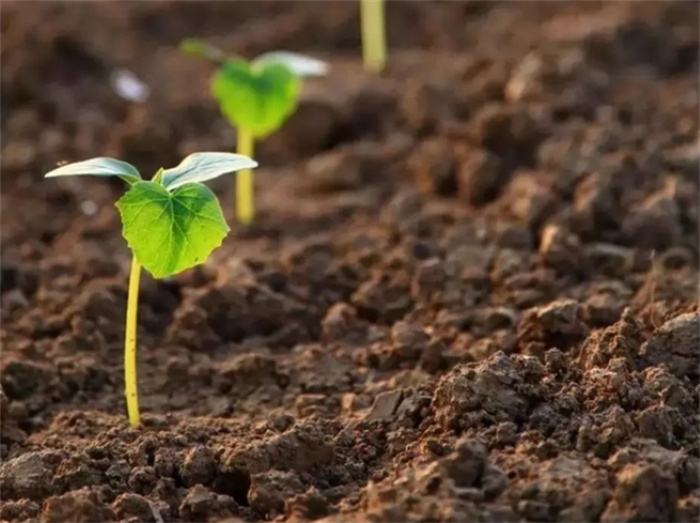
470, 294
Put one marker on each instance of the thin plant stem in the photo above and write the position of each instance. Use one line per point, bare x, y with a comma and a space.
244, 179
373, 34
130, 378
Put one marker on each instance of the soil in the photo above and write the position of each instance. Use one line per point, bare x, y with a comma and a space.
470, 293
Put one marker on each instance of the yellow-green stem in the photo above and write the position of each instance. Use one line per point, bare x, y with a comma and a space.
130, 380
245, 208
373, 34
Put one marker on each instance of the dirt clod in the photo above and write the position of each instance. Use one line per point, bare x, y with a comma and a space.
679, 338
643, 493
128, 506
83, 506
480, 177
202, 504
29, 475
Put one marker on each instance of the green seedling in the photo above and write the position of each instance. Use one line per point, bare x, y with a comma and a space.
171, 223
373, 34
255, 97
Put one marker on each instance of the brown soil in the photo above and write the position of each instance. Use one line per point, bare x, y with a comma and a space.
471, 293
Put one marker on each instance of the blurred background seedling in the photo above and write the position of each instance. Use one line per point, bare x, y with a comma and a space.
372, 22
256, 97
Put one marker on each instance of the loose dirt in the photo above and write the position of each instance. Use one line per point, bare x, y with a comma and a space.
471, 292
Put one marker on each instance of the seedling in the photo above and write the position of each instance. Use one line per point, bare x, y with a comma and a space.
373, 34
256, 98
171, 223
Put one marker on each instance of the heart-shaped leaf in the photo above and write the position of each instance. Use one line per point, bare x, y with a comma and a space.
101, 166
259, 98
302, 66
200, 167
169, 232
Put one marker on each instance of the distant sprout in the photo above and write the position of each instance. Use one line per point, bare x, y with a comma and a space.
171, 223
256, 97
373, 34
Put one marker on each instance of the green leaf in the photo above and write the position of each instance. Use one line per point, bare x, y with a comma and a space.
257, 98
301, 65
158, 177
200, 167
169, 232
197, 47
101, 166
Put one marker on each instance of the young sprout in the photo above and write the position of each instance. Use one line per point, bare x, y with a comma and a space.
256, 97
373, 34
171, 223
